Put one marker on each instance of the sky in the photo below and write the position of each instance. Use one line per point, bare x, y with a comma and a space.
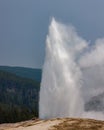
24, 26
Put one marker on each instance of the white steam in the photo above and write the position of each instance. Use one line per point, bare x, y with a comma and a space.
95, 56
68, 73
92, 64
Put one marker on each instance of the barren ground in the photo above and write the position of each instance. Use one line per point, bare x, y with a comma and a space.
56, 124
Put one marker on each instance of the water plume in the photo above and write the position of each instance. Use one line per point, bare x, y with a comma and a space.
61, 78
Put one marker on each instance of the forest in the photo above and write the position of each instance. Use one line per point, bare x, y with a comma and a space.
18, 97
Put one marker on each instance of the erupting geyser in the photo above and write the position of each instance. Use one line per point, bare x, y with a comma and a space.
71, 63
61, 79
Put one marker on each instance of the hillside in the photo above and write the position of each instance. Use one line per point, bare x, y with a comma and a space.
30, 73
56, 124
18, 97
96, 103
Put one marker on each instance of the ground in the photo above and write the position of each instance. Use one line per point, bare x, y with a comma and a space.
56, 124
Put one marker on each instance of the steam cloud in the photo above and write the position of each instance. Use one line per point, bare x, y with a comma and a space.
73, 72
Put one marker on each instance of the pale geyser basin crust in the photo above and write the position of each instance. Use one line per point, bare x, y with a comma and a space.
56, 124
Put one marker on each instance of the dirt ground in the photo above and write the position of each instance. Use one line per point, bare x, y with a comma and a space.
56, 124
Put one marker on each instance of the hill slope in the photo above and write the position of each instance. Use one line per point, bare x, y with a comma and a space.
30, 73
18, 97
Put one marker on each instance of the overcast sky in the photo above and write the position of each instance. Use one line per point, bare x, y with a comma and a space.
24, 25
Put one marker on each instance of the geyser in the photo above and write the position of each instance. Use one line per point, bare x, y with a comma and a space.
73, 72
61, 79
